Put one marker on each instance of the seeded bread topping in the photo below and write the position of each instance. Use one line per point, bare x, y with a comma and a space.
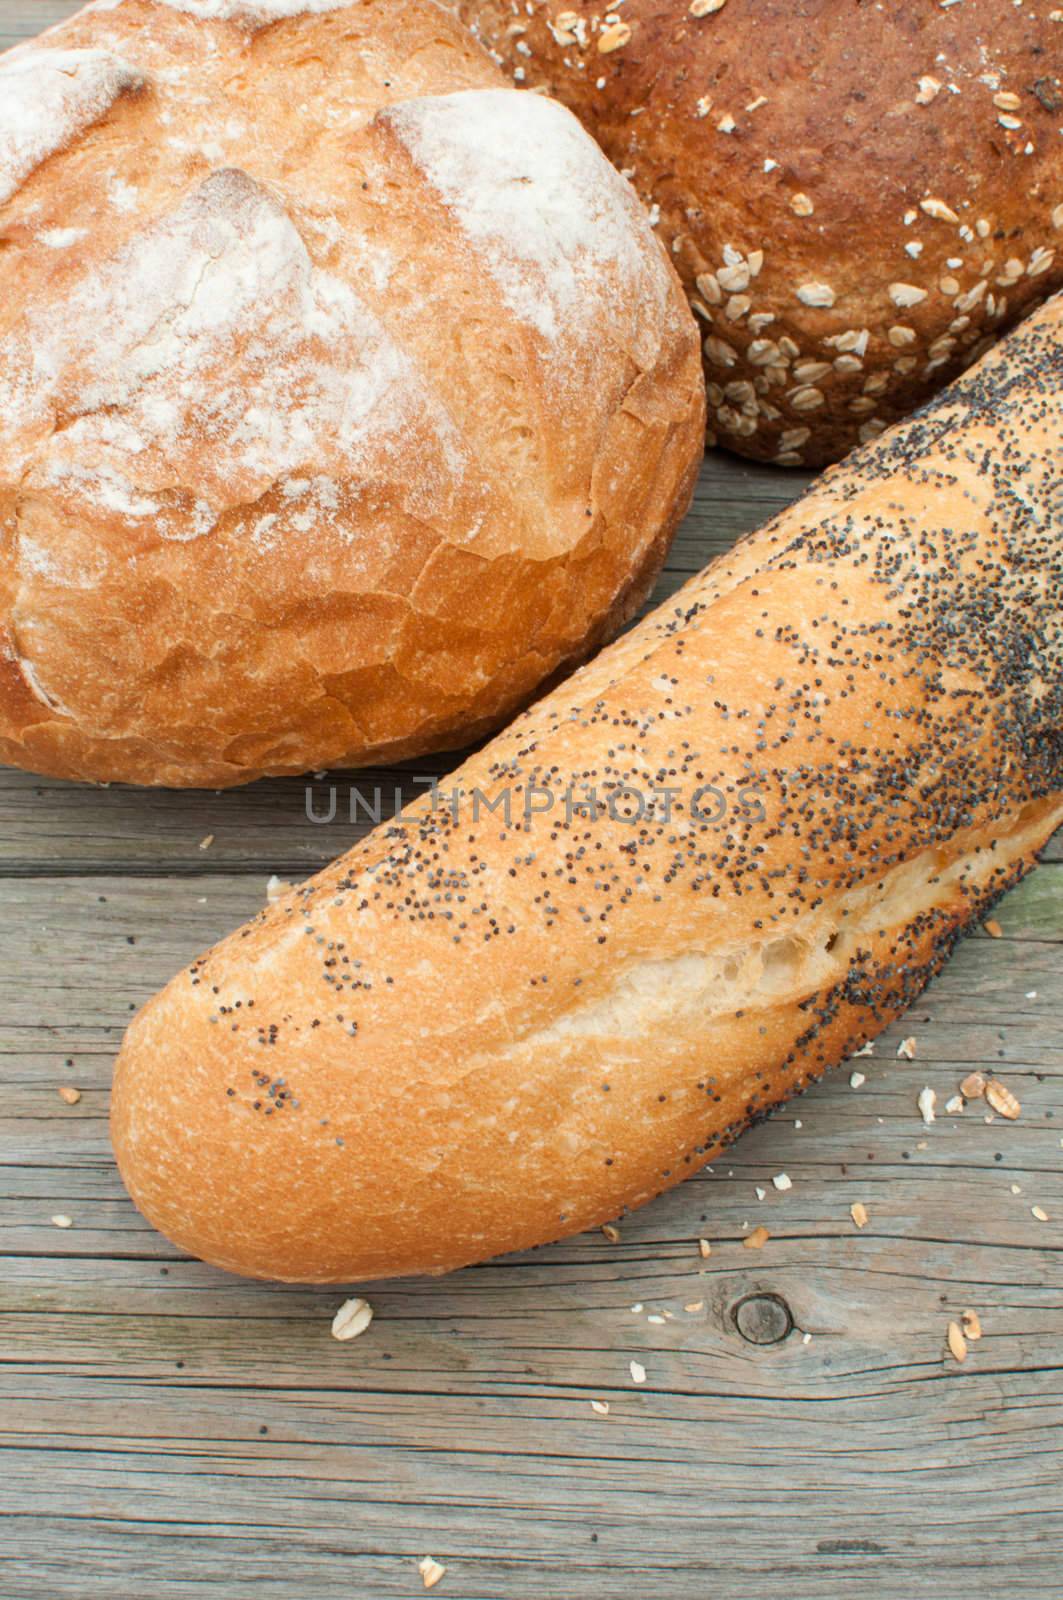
859, 199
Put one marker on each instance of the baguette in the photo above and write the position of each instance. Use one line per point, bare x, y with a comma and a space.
472, 1035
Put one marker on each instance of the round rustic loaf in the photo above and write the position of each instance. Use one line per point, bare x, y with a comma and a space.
857, 197
346, 394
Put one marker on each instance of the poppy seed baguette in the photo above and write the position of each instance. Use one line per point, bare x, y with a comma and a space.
466, 1037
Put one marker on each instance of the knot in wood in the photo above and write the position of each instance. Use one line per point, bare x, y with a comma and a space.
763, 1318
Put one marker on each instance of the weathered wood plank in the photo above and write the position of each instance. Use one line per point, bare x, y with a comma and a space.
165, 1429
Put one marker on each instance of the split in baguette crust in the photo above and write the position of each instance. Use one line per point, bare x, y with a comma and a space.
466, 1037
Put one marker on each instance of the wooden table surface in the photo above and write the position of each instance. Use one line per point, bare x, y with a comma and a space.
168, 1430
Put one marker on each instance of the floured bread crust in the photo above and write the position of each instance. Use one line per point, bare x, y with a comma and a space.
812, 770
859, 197
344, 396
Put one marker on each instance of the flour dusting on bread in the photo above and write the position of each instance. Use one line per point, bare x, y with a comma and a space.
552, 219
48, 97
223, 287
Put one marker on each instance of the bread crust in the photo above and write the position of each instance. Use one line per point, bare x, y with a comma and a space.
343, 400
858, 197
473, 1034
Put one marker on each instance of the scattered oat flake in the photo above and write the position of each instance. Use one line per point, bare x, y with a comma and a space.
973, 1086
614, 37
611, 1233
694, 1305
1039, 1212
704, 1249
927, 1101
757, 1239
906, 1050
431, 1571
353, 1317
600, 1407
972, 1326
1002, 1100
205, 844
857, 1080
783, 1181
993, 928
68, 1093
638, 1371
858, 1212
957, 1342
61, 1221
704, 8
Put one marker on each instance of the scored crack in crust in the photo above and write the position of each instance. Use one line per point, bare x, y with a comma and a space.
344, 395
474, 1033
859, 198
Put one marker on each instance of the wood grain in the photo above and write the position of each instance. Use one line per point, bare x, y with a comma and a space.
167, 1430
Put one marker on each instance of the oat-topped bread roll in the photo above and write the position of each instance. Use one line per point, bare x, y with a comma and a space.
345, 393
811, 770
858, 197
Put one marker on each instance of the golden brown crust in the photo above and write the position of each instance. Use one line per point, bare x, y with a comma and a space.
475, 1033
858, 196
317, 445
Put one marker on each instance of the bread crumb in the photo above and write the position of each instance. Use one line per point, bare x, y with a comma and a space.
704, 1249
757, 1239
601, 1407
955, 1104
927, 1101
972, 1326
993, 928
906, 1050
1039, 1212
353, 1317
857, 1080
1002, 1100
694, 1305
611, 1233
431, 1571
60, 1220
205, 844
638, 1371
957, 1342
858, 1212
973, 1086
783, 1181
68, 1093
